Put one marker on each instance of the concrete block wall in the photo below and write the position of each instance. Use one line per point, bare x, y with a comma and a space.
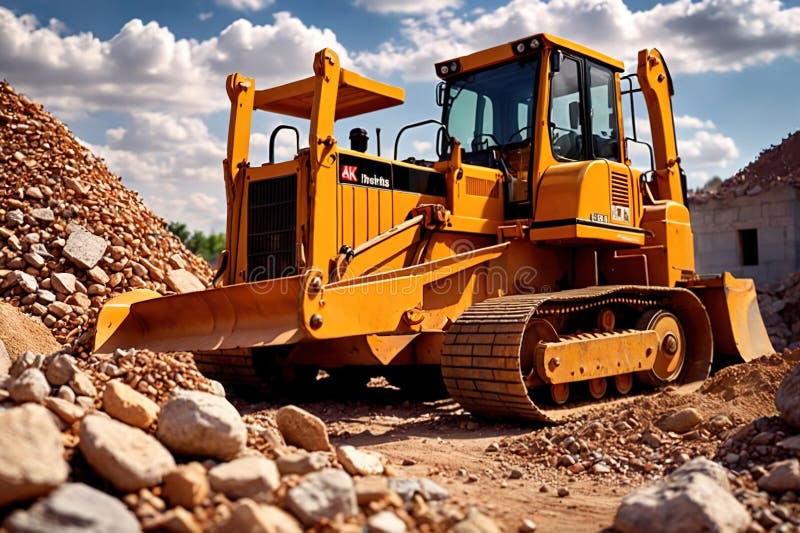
774, 213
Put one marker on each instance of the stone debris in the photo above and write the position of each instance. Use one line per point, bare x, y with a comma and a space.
31, 454
201, 424
186, 486
303, 462
787, 399
358, 462
132, 407
301, 428
126, 456
74, 507
323, 495
696, 497
69, 226
247, 515
248, 477
30, 386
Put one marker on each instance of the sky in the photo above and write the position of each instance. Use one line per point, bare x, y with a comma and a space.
142, 83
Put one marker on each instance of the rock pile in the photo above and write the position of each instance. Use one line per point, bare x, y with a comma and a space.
71, 235
182, 459
780, 306
776, 165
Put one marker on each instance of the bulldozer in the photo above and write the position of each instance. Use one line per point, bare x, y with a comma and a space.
529, 267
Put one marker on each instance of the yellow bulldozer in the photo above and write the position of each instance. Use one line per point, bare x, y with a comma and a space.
529, 266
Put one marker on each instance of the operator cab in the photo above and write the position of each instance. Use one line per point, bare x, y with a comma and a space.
545, 112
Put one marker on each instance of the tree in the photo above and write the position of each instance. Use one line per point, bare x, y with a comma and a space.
208, 246
712, 184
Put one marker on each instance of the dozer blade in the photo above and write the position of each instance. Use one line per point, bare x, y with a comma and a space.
732, 306
246, 315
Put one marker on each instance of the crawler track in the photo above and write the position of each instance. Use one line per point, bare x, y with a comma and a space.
481, 359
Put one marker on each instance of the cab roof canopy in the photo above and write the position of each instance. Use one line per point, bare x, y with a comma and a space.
356, 95
520, 48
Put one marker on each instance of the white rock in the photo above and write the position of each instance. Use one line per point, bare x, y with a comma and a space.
687, 500
31, 454
323, 494
26, 281
63, 282
203, 424
248, 477
61, 369
301, 428
358, 462
30, 386
75, 508
126, 456
84, 249
183, 281
783, 476
386, 522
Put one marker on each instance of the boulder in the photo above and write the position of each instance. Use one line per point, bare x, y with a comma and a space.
82, 384
27, 282
358, 462
301, 428
61, 370
787, 399
689, 499
406, 488
74, 508
199, 423
388, 522
65, 410
84, 248
783, 476
186, 486
252, 517
31, 454
126, 456
128, 405
321, 495
183, 281
303, 463
30, 386
476, 522
680, 422
248, 477
63, 282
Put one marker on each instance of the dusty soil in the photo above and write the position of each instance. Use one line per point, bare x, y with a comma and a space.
21, 333
503, 468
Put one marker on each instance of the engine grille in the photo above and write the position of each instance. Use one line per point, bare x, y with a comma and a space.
271, 228
619, 189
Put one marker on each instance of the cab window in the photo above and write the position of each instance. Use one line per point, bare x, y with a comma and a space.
603, 112
566, 127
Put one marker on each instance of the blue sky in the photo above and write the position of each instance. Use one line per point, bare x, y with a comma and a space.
142, 83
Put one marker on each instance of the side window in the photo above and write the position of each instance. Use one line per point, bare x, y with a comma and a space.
603, 113
566, 128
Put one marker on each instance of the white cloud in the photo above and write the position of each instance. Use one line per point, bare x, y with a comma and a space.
709, 35
689, 122
707, 150
205, 15
245, 5
145, 67
408, 7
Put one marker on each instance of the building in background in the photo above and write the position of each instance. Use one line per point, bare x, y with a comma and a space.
750, 224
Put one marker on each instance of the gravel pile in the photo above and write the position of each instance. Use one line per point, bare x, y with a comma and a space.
71, 235
780, 306
776, 165
75, 454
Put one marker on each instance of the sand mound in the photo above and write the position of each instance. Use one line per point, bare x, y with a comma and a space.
21, 333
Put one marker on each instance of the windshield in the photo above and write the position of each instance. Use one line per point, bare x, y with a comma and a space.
494, 107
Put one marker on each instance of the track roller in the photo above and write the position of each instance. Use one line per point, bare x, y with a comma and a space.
559, 393
623, 383
671, 349
597, 387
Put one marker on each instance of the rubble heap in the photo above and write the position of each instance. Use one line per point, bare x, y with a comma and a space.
780, 306
776, 165
71, 235
186, 460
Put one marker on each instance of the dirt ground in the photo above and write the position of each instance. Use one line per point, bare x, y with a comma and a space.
502, 469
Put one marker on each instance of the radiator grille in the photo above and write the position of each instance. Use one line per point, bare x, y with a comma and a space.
619, 189
477, 187
271, 228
